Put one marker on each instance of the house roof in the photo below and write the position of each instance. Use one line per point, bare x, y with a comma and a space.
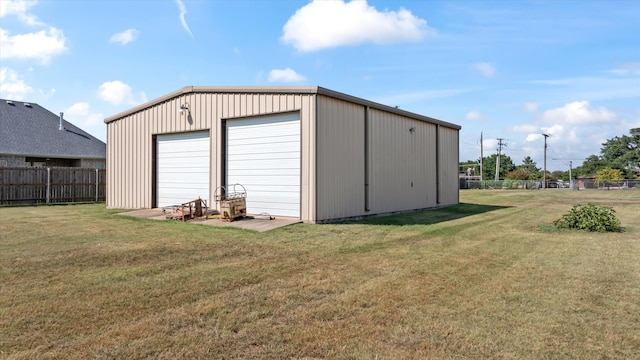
28, 129
274, 90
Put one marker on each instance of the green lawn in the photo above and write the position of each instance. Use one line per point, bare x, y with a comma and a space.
487, 279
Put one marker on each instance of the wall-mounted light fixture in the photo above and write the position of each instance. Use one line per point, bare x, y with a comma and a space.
184, 107
412, 130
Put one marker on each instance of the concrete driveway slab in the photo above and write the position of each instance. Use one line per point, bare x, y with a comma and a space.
251, 222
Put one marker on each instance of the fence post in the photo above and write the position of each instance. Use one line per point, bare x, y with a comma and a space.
48, 184
97, 184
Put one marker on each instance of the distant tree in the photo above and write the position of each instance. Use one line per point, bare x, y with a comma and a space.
621, 153
608, 177
590, 166
529, 165
489, 166
557, 175
470, 164
518, 174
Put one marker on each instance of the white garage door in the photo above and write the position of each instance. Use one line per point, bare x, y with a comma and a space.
182, 167
263, 154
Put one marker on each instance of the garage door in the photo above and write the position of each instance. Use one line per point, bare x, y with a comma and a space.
263, 154
182, 168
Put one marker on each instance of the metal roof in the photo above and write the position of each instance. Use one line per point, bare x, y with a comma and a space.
277, 90
28, 129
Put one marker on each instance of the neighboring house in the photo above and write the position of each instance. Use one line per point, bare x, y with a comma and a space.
32, 136
304, 152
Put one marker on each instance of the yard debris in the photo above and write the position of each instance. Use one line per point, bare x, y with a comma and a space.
263, 216
233, 204
187, 211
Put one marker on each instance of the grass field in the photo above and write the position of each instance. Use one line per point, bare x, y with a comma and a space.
487, 279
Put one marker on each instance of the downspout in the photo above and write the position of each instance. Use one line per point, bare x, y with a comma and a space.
438, 164
314, 154
366, 159
97, 177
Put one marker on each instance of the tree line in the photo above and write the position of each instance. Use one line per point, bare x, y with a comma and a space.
619, 159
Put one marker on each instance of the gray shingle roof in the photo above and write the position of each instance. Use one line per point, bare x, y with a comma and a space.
29, 129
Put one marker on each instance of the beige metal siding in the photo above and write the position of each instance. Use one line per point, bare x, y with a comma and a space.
340, 159
448, 157
402, 172
129, 139
308, 158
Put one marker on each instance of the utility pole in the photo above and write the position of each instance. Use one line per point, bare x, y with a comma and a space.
570, 172
501, 143
544, 174
570, 177
481, 157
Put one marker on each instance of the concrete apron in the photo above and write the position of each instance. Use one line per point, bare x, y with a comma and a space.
255, 223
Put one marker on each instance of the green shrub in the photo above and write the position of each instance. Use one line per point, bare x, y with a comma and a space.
491, 184
590, 217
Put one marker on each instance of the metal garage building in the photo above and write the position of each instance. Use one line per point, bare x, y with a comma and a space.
305, 152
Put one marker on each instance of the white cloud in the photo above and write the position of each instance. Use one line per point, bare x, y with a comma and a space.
143, 97
578, 113
418, 96
20, 8
12, 86
553, 130
489, 144
82, 112
94, 119
592, 88
561, 134
116, 92
78, 109
326, 24
41, 45
474, 115
183, 13
285, 75
630, 68
486, 69
531, 106
532, 137
47, 94
14, 7
125, 37
575, 130
525, 128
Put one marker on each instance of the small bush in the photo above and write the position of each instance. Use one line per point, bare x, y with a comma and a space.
590, 217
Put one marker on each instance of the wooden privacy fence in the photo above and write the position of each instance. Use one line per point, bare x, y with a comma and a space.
20, 186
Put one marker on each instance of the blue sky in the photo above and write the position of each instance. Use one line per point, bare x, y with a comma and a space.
507, 69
